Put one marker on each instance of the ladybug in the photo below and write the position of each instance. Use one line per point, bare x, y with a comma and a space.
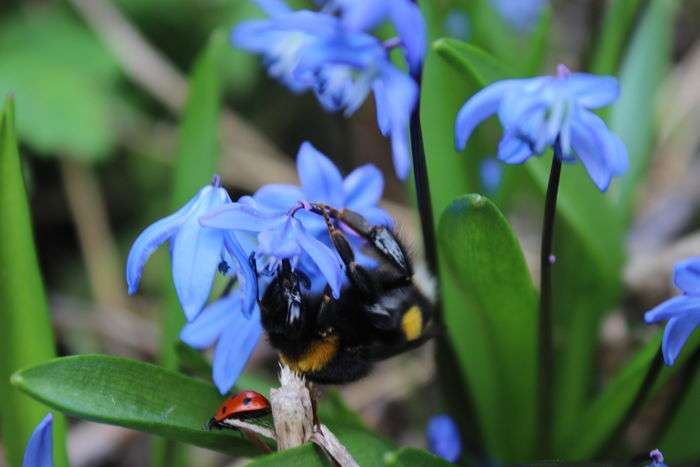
244, 405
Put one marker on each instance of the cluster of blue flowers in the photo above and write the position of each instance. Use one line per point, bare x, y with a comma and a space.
331, 53
212, 233
681, 312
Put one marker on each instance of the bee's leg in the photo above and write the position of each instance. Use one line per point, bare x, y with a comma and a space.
379, 237
356, 273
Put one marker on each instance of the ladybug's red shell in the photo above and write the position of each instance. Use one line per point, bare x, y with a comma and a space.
246, 404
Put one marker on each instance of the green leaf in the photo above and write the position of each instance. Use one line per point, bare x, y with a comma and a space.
133, 394
617, 23
588, 247
600, 420
365, 448
410, 457
485, 260
643, 71
679, 444
25, 334
65, 83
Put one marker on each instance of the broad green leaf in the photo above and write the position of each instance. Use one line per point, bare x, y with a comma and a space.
412, 457
25, 333
588, 246
307, 455
365, 448
65, 83
450, 175
619, 16
485, 260
643, 71
133, 394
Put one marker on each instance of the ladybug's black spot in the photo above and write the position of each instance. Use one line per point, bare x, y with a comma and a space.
246, 401
223, 409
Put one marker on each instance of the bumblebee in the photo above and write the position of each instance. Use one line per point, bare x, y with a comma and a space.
379, 313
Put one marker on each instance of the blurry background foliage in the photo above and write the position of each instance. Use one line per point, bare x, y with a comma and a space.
100, 89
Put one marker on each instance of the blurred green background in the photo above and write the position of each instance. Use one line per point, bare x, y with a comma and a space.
99, 89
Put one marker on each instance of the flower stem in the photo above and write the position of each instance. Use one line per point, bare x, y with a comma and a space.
546, 351
420, 172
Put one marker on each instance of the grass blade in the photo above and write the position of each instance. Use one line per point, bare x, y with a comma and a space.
25, 334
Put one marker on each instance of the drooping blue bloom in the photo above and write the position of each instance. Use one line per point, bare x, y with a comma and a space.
521, 15
341, 63
224, 324
443, 438
681, 312
405, 15
657, 459
39, 451
195, 251
282, 39
537, 113
284, 227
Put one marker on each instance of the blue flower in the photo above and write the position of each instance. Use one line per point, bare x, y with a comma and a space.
283, 37
39, 451
521, 15
443, 438
405, 15
225, 324
196, 251
682, 312
286, 230
657, 459
341, 63
537, 113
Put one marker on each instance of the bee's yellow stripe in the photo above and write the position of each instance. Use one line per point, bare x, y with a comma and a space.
412, 323
315, 358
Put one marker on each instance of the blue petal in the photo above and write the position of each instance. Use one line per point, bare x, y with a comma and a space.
239, 216
278, 197
396, 95
273, 7
363, 187
673, 307
676, 334
490, 174
686, 275
512, 150
410, 26
151, 238
320, 178
478, 108
196, 254
234, 349
443, 438
326, 260
39, 451
205, 330
594, 146
593, 91
363, 15
279, 242
246, 276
